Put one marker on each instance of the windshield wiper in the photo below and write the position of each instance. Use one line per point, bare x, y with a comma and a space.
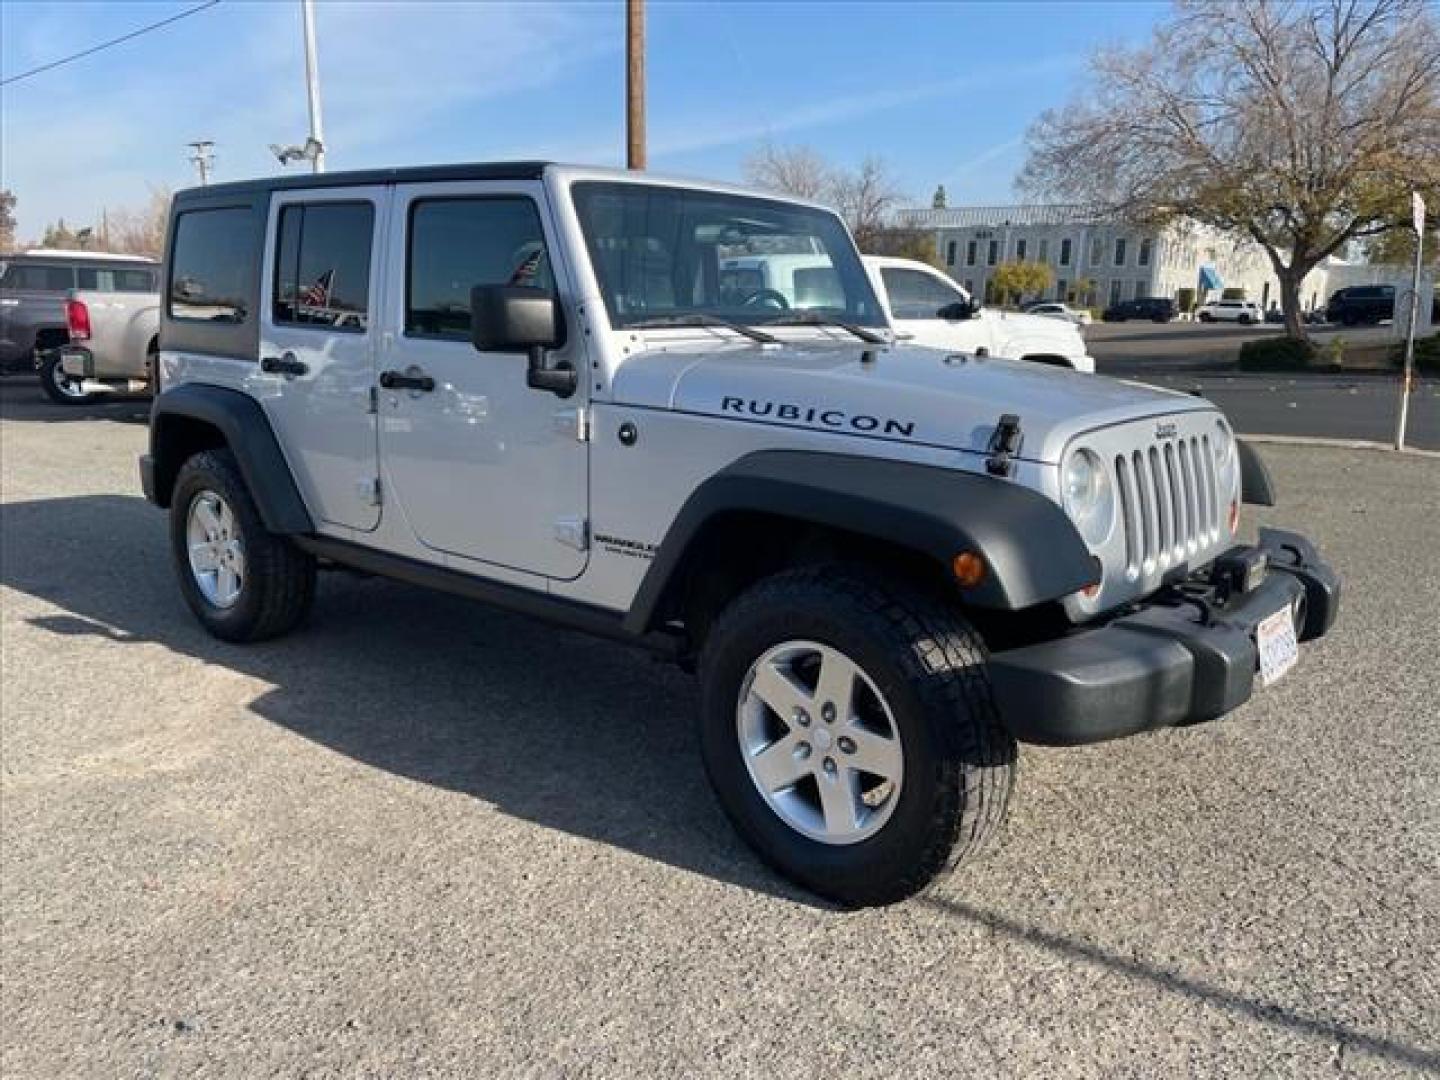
811, 318
698, 319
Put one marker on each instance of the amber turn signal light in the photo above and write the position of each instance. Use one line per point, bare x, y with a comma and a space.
968, 568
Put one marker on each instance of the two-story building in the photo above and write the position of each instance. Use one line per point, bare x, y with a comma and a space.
1095, 259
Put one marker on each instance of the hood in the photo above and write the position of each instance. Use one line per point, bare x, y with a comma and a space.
905, 394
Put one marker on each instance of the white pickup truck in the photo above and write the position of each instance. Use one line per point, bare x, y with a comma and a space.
114, 343
923, 305
928, 308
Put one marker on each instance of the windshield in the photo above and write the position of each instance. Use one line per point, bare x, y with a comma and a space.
661, 252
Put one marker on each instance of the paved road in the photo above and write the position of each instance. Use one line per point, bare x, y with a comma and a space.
422, 838
1130, 347
1188, 356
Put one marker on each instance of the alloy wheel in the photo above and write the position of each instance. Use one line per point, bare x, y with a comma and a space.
217, 556
820, 742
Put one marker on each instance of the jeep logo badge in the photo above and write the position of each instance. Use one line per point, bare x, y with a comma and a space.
1165, 431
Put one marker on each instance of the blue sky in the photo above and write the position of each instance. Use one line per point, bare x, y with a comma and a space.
942, 91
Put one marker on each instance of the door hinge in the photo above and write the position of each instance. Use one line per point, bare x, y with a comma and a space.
573, 532
369, 491
373, 405
574, 422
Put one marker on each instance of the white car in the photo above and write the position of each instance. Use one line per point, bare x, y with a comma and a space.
928, 308
1053, 309
1241, 311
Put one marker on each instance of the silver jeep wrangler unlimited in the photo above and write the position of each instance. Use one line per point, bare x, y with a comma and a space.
538, 386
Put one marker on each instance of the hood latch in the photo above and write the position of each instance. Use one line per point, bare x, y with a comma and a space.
1003, 443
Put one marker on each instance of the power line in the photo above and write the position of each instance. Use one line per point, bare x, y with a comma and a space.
106, 44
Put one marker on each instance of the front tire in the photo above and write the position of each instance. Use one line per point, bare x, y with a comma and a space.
863, 801
243, 582
60, 388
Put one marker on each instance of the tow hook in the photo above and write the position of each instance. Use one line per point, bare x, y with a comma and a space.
1003, 443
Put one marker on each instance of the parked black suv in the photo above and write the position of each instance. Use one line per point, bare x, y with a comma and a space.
1154, 308
1361, 304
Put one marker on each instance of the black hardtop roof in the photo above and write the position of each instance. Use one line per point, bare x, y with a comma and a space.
484, 170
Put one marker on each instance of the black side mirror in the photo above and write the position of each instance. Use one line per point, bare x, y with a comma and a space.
958, 310
522, 318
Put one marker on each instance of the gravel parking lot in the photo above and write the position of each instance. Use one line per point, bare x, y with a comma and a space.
424, 838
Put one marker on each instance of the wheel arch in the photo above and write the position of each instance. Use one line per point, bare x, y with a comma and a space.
195, 417
775, 508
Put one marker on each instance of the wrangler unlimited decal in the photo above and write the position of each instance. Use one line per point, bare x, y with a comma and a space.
816, 415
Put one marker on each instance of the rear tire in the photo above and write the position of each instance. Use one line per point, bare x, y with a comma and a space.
59, 387
922, 709
243, 582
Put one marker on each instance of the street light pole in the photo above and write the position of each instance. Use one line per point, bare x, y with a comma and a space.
1407, 382
635, 84
312, 86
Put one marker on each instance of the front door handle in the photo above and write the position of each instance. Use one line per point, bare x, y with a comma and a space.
288, 364
414, 379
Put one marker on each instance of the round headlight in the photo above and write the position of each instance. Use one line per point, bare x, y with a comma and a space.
1087, 495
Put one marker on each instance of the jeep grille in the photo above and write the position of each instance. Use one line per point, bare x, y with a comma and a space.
1169, 503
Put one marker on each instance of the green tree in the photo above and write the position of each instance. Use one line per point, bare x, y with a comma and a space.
1302, 126
1015, 280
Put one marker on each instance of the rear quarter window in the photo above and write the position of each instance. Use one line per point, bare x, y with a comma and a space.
211, 265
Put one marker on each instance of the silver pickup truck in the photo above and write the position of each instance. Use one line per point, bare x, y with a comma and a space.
103, 304
114, 344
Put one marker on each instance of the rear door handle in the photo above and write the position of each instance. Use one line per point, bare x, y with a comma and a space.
288, 364
414, 379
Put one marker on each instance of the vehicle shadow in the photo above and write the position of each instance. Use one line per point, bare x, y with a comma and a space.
570, 732
22, 399
1203, 993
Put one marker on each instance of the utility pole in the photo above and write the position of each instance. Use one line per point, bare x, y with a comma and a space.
635, 84
202, 157
1407, 383
312, 86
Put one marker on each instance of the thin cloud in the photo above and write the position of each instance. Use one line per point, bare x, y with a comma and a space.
696, 134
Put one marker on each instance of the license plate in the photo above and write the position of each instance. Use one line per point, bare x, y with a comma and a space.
1275, 640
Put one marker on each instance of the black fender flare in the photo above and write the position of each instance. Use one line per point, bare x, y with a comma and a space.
1256, 485
1032, 551
242, 423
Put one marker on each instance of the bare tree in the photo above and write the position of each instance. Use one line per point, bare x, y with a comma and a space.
865, 199
790, 170
140, 231
1302, 126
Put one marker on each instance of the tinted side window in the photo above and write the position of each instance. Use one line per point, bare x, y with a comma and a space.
459, 243
114, 279
210, 265
915, 295
34, 278
322, 269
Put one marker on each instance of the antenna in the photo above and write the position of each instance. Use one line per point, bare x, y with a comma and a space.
202, 156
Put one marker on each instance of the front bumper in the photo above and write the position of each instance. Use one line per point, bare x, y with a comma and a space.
1182, 658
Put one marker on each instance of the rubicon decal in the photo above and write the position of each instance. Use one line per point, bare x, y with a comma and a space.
816, 416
